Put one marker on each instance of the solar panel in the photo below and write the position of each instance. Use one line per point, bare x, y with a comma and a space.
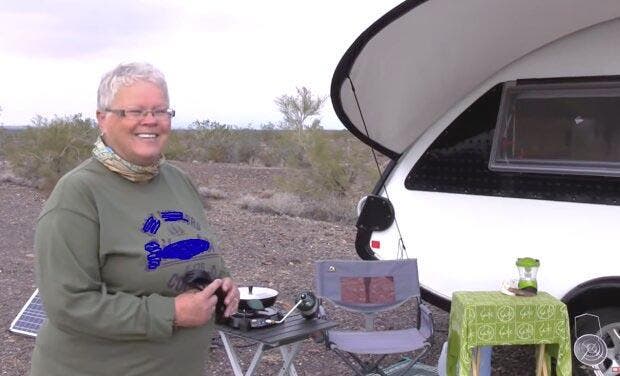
30, 318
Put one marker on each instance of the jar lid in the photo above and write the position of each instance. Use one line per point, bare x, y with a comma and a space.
528, 262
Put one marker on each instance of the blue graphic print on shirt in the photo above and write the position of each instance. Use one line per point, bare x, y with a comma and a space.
184, 249
151, 225
181, 250
172, 216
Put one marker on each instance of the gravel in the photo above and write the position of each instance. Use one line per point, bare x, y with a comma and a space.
260, 249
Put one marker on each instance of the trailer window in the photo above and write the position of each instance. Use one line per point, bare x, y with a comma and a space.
559, 128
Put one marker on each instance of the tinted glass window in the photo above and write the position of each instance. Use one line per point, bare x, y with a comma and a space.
458, 162
566, 128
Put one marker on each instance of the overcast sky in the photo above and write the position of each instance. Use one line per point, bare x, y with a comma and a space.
224, 60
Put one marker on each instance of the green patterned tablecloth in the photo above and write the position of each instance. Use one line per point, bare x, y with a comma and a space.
489, 318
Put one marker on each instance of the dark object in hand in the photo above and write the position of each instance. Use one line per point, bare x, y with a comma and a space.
199, 279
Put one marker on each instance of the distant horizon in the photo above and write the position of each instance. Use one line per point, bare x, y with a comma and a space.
257, 128
328, 118
184, 123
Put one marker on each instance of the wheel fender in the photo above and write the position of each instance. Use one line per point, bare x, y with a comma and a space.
597, 295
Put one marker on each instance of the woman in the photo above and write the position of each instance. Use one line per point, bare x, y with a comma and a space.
114, 241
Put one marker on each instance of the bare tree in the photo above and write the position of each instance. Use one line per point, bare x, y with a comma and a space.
301, 108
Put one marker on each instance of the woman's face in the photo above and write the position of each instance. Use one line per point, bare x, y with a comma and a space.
139, 141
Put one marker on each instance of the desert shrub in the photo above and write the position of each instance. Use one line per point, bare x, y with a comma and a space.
214, 140
291, 149
327, 166
270, 152
178, 147
282, 148
327, 170
247, 146
208, 140
3, 136
49, 148
4, 141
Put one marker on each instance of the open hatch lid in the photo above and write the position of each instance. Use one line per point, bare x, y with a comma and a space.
418, 60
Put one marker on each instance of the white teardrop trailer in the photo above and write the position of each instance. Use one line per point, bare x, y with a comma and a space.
502, 122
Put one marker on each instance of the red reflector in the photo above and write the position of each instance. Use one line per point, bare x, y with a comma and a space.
615, 369
375, 244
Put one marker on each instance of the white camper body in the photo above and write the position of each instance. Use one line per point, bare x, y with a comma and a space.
442, 87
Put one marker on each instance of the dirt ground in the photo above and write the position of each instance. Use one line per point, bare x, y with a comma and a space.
260, 249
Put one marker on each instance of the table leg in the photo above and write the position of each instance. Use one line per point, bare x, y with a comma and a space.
476, 362
234, 358
541, 365
288, 354
258, 354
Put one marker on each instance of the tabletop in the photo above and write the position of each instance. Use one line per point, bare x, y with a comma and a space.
488, 318
295, 328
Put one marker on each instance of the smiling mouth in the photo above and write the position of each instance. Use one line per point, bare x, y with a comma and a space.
147, 136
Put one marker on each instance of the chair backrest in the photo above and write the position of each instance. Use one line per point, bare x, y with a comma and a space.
367, 286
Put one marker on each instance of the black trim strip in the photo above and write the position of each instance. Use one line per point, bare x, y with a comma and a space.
381, 182
436, 300
341, 74
563, 80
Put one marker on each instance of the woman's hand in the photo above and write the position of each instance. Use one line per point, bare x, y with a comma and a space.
194, 308
232, 296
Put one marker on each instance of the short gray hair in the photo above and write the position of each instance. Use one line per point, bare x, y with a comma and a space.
127, 75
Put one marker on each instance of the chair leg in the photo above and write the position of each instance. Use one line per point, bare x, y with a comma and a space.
345, 358
368, 367
375, 366
364, 367
415, 360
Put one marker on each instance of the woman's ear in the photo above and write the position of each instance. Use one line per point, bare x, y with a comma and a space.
100, 116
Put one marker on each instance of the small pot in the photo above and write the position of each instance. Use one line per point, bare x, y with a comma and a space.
256, 298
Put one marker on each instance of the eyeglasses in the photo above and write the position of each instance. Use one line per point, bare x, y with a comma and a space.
165, 114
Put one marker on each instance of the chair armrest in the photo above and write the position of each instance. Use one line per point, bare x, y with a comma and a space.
425, 324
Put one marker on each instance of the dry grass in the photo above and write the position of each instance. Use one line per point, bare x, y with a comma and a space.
212, 193
10, 177
331, 208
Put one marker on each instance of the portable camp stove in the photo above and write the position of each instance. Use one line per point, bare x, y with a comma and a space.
252, 319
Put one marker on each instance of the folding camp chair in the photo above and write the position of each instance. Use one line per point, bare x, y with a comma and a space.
371, 287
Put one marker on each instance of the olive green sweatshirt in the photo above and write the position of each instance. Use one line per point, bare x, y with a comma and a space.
111, 255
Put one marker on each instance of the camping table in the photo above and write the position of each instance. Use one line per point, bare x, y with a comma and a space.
490, 318
286, 336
